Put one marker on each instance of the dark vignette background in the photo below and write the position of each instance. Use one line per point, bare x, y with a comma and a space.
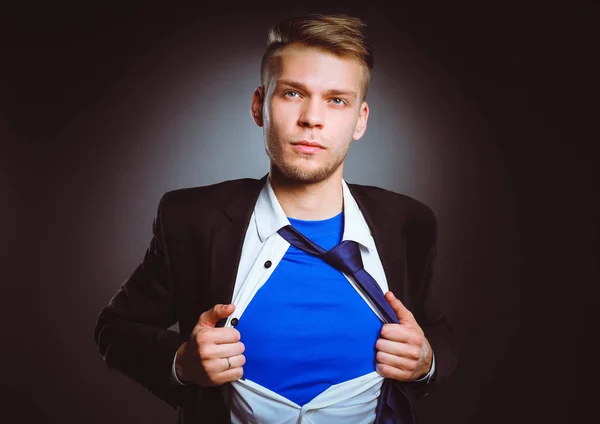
485, 112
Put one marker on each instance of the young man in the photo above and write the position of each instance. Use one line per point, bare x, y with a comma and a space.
270, 330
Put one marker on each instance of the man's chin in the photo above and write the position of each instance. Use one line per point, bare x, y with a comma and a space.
302, 175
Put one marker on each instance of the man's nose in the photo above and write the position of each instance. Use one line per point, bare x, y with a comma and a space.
312, 115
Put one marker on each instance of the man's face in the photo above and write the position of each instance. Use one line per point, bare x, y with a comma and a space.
311, 97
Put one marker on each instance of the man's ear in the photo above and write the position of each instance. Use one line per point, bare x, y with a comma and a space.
257, 105
361, 125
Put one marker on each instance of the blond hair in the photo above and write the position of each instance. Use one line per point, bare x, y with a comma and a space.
338, 34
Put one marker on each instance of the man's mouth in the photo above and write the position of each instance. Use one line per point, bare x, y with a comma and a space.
308, 146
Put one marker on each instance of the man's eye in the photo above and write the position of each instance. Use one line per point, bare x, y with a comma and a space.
337, 101
292, 94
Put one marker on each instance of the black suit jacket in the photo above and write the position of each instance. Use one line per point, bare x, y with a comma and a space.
191, 265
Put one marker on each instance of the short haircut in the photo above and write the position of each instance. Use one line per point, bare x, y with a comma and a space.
338, 34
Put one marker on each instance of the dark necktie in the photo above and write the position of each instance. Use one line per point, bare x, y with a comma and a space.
393, 406
345, 257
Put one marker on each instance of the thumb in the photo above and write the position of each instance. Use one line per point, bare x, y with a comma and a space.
401, 311
210, 318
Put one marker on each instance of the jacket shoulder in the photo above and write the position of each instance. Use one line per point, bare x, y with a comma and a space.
396, 203
209, 195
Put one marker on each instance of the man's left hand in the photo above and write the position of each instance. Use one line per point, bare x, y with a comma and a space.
403, 352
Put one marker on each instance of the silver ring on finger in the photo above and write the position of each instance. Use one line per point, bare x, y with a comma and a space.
228, 364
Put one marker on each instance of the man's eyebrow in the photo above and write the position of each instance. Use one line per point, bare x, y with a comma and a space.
333, 91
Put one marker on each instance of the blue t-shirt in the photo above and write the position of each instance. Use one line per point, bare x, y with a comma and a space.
307, 328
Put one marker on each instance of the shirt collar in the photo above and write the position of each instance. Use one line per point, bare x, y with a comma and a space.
270, 217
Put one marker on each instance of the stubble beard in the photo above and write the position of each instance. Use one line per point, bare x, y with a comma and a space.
296, 173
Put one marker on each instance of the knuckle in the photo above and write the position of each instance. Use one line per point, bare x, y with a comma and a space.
239, 373
416, 353
206, 369
384, 370
385, 331
202, 336
205, 352
419, 339
211, 375
209, 366
242, 347
379, 356
243, 360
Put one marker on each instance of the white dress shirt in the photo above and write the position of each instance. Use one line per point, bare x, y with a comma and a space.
353, 401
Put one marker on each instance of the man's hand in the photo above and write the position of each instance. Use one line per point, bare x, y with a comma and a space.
403, 352
204, 358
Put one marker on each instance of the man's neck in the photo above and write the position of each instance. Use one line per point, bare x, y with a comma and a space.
315, 201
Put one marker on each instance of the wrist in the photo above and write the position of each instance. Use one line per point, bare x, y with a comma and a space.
427, 361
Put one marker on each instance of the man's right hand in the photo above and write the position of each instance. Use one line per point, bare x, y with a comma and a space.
203, 359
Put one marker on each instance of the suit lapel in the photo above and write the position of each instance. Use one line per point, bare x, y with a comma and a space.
227, 239
387, 235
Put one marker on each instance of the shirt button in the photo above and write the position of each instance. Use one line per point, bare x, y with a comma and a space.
268, 264
234, 322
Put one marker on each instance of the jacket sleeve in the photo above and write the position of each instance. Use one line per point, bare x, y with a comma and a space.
131, 332
421, 254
